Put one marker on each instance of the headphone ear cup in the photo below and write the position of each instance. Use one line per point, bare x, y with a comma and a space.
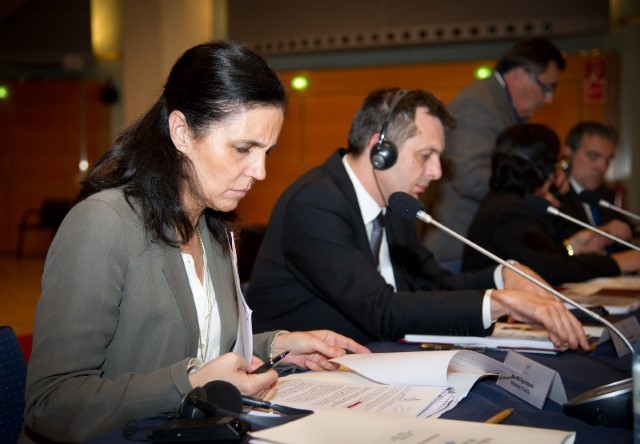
384, 155
189, 411
224, 395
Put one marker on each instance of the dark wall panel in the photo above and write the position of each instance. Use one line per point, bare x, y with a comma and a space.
288, 26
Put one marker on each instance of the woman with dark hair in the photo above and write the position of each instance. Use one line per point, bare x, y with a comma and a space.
140, 301
524, 162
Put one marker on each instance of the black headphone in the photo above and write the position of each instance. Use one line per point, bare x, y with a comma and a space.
221, 398
384, 153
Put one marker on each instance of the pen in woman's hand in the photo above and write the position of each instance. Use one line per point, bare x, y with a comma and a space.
270, 363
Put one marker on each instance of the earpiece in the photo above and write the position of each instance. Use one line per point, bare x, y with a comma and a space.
221, 398
204, 401
384, 153
206, 414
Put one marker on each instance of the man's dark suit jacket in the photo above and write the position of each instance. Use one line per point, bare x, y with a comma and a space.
571, 205
507, 228
315, 270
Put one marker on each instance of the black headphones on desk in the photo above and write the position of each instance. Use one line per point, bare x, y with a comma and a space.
221, 398
384, 153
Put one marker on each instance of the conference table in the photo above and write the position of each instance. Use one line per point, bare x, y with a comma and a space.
578, 370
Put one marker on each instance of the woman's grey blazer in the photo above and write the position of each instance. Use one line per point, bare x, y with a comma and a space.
116, 323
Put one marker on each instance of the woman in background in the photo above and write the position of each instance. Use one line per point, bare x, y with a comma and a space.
524, 162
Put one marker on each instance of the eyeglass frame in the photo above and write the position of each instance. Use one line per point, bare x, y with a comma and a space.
548, 90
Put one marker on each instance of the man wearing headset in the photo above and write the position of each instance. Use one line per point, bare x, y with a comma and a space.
588, 150
316, 267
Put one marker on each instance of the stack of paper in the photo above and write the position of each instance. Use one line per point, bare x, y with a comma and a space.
411, 383
619, 295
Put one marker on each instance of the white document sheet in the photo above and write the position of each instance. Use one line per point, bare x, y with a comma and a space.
425, 383
427, 368
355, 427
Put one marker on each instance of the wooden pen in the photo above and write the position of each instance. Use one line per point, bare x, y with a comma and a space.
499, 417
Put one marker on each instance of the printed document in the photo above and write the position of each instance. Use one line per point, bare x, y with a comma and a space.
422, 383
356, 427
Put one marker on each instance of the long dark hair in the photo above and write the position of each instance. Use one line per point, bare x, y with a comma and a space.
210, 83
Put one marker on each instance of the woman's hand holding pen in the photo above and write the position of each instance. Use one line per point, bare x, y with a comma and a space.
310, 350
313, 349
233, 368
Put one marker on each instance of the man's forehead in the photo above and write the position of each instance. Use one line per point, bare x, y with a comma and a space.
596, 143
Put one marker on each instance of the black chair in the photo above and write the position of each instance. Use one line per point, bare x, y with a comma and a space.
13, 375
249, 243
48, 217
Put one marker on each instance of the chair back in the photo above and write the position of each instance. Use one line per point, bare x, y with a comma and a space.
53, 211
13, 375
250, 240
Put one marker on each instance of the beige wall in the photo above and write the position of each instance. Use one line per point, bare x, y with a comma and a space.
155, 34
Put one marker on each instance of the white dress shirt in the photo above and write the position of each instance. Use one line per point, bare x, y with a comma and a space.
370, 209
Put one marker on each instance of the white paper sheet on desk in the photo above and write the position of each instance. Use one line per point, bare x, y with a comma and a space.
419, 383
353, 427
318, 395
429, 368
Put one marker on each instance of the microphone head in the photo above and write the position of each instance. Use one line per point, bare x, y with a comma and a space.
589, 197
538, 205
224, 395
405, 205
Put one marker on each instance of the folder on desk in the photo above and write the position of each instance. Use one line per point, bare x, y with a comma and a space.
517, 337
618, 295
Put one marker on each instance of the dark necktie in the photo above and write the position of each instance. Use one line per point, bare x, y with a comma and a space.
595, 213
376, 237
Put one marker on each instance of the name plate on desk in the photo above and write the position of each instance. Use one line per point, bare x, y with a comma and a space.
630, 328
535, 384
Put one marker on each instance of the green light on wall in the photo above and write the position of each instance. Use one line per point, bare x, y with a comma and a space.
4, 92
483, 72
300, 83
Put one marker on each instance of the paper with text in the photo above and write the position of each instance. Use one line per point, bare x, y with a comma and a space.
422, 383
535, 383
398, 400
354, 427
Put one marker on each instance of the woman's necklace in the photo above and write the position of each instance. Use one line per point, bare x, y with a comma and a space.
204, 347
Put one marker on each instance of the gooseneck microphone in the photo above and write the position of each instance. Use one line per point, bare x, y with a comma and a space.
411, 208
592, 198
540, 205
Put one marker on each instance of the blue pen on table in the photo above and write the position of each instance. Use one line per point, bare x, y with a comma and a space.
270, 363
